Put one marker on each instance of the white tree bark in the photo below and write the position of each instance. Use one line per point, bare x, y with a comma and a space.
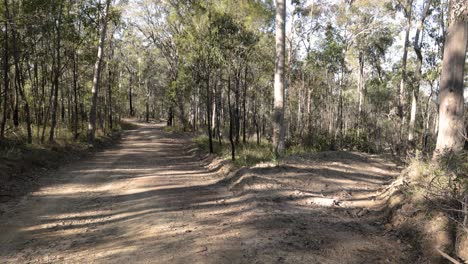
97, 75
278, 115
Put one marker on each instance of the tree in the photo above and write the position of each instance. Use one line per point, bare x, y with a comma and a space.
278, 114
407, 9
415, 92
97, 75
452, 131
6, 67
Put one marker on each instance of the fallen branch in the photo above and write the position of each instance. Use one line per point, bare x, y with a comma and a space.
445, 255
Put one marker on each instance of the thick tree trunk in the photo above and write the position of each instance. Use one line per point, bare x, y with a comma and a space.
97, 76
278, 115
452, 132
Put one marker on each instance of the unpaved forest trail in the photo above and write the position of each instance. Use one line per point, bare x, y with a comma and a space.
151, 200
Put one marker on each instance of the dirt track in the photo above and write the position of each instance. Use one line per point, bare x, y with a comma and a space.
152, 200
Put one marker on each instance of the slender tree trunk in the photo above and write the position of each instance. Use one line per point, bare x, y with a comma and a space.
109, 94
237, 106
452, 132
402, 92
278, 115
16, 106
20, 84
6, 67
75, 96
360, 92
244, 109
208, 113
231, 122
415, 92
147, 102
110, 83
130, 96
56, 76
97, 76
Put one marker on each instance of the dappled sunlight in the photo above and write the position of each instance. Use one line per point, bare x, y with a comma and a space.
146, 202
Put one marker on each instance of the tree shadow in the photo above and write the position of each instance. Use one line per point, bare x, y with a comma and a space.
151, 200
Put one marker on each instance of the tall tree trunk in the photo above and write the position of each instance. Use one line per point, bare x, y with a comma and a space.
20, 84
56, 76
208, 113
6, 67
231, 122
402, 93
75, 96
278, 115
97, 76
244, 109
415, 92
237, 105
130, 96
147, 108
360, 92
452, 132
16, 106
109, 94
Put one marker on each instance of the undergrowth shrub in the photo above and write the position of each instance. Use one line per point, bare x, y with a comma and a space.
437, 195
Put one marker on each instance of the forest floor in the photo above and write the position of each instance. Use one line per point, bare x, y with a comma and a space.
153, 199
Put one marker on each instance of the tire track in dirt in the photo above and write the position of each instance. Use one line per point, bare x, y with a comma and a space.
151, 200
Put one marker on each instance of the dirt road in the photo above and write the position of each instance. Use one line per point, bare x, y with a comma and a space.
151, 200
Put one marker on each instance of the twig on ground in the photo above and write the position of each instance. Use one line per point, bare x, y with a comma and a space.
445, 255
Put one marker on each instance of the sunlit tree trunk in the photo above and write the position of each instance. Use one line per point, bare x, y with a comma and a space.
415, 92
278, 114
451, 136
402, 92
97, 76
360, 92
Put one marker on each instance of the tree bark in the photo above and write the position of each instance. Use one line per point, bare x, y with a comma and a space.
97, 76
208, 113
402, 101
231, 122
6, 67
278, 115
20, 84
452, 132
56, 77
415, 92
360, 92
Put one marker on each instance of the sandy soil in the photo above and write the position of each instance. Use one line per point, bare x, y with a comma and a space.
151, 199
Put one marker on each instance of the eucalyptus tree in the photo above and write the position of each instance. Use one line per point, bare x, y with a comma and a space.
452, 131
417, 49
278, 114
407, 7
97, 73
